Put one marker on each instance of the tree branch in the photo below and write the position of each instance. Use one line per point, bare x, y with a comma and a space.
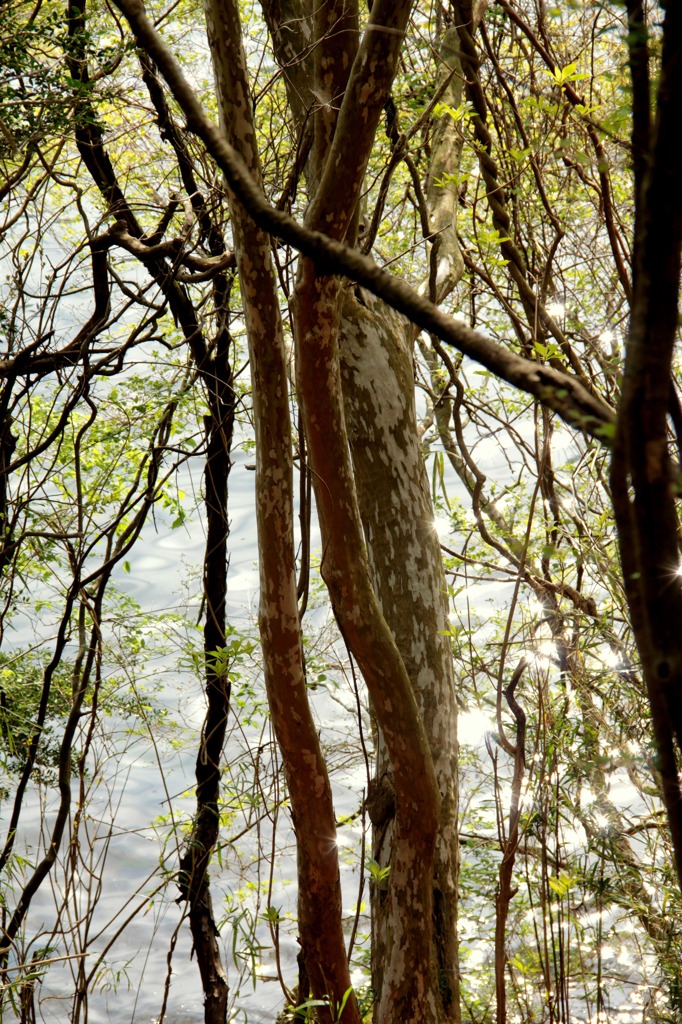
559, 391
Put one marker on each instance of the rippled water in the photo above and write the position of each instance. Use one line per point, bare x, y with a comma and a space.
142, 782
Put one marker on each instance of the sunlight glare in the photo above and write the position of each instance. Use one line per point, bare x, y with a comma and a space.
442, 526
547, 648
473, 725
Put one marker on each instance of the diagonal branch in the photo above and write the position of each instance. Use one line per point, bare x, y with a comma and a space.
559, 391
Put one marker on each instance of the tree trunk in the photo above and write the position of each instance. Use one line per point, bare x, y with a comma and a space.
407, 573
409, 985
319, 886
644, 479
392, 488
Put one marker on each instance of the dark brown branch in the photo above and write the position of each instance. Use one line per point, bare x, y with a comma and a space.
506, 892
559, 391
642, 476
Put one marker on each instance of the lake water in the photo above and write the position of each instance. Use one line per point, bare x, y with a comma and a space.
136, 808
115, 901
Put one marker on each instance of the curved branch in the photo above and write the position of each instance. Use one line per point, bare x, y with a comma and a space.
559, 391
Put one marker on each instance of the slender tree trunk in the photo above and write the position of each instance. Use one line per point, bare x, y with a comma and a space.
643, 478
378, 391
336, 173
319, 888
194, 878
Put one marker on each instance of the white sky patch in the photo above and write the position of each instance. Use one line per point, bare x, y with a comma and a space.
505, 793
624, 795
586, 796
535, 657
476, 955
600, 820
556, 308
344, 838
625, 957
547, 649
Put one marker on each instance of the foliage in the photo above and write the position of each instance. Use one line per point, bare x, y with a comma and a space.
124, 369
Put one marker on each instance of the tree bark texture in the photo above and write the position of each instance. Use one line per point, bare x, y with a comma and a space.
644, 480
408, 992
407, 573
345, 151
319, 889
393, 492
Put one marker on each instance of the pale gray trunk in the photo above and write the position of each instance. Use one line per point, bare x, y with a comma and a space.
407, 571
443, 185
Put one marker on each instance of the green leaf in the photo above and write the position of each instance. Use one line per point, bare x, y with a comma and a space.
567, 74
377, 873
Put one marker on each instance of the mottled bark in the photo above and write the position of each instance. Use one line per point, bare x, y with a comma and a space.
336, 45
407, 572
337, 169
290, 25
409, 989
319, 889
393, 491
442, 193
